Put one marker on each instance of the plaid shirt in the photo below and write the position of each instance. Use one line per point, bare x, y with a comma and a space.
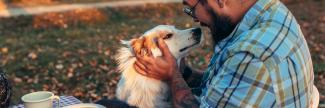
265, 62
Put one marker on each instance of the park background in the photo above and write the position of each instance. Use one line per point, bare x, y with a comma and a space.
71, 52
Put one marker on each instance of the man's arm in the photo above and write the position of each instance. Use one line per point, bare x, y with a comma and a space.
181, 93
193, 77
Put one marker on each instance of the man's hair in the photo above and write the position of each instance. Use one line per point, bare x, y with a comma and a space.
5, 90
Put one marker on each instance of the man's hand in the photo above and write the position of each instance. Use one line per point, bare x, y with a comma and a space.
160, 68
165, 68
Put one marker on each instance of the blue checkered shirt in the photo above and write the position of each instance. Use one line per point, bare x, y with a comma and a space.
264, 62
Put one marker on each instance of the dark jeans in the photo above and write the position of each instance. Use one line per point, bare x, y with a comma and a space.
113, 103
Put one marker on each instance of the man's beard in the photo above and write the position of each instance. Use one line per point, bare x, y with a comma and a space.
221, 26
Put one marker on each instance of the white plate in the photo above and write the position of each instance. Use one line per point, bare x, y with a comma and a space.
84, 105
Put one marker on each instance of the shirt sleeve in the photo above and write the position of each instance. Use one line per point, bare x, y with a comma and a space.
242, 80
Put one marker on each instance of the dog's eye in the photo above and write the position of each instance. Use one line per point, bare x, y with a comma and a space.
169, 35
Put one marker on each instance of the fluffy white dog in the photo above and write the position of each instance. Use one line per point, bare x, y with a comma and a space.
139, 90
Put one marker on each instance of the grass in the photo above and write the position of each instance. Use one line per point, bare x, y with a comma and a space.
28, 3
77, 58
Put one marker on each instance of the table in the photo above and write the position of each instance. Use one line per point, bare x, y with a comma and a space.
64, 101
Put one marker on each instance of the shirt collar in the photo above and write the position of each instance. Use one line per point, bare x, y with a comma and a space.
250, 19
255, 13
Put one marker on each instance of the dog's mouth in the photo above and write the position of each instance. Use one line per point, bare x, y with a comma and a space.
185, 48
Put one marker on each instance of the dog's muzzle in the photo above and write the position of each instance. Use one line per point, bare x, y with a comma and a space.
197, 33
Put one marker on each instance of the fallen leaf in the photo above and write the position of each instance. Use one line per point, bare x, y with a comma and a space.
70, 75
107, 52
59, 66
30, 80
32, 55
4, 50
46, 87
18, 80
104, 67
93, 63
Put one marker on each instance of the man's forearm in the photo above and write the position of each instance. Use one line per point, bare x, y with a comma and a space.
193, 77
181, 93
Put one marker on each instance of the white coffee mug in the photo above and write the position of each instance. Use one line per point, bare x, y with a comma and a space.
40, 99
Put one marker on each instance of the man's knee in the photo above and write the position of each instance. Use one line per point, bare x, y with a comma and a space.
114, 103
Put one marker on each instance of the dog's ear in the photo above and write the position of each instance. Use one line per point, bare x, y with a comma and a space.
139, 46
145, 46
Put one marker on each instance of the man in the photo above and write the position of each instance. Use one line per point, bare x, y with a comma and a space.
260, 59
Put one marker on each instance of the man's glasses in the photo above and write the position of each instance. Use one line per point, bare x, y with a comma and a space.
190, 11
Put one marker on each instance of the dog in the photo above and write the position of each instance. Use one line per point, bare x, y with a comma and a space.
142, 91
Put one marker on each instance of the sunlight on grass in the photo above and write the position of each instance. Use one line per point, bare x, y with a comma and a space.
62, 20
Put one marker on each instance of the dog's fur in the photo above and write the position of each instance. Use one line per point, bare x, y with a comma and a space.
142, 91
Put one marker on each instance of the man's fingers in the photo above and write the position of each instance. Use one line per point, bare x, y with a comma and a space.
140, 71
144, 59
163, 47
145, 72
140, 65
154, 76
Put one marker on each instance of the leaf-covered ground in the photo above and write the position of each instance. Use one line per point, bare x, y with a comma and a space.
28, 3
72, 53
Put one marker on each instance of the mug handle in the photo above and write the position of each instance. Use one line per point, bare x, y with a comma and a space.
57, 98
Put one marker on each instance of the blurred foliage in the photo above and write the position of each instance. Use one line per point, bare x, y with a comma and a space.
49, 2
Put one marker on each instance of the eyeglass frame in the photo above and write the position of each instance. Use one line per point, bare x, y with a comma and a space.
190, 10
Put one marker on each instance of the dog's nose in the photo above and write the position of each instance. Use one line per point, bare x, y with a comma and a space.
197, 33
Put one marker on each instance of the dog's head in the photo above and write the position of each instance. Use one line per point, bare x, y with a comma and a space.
178, 41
